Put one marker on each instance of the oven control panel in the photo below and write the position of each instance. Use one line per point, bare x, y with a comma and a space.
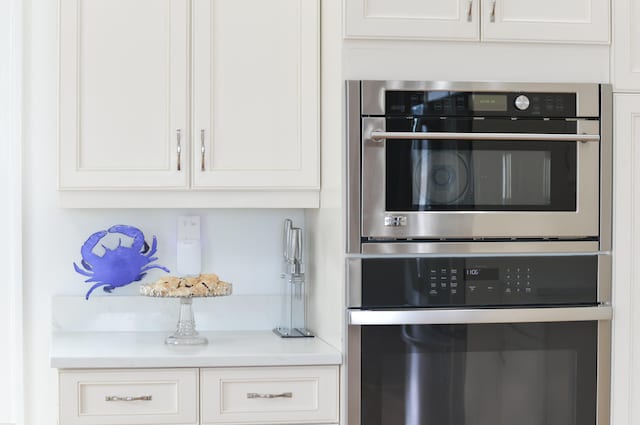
517, 280
455, 103
479, 281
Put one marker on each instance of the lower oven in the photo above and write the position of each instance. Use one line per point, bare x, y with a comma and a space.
479, 340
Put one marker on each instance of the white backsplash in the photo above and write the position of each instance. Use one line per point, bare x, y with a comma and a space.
139, 313
243, 247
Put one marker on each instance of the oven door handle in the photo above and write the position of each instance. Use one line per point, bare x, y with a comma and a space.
379, 136
480, 315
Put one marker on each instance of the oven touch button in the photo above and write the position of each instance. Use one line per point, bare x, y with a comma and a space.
522, 102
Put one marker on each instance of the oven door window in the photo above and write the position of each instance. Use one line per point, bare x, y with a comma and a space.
479, 374
468, 175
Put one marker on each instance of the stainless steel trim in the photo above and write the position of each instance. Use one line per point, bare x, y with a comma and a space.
128, 398
379, 136
493, 12
477, 247
373, 92
179, 148
603, 377
464, 316
202, 149
354, 374
605, 278
354, 282
281, 395
353, 167
470, 12
606, 167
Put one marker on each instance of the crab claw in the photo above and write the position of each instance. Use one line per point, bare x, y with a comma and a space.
81, 271
87, 248
132, 232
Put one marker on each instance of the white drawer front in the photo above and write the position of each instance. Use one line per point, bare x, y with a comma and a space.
131, 397
270, 395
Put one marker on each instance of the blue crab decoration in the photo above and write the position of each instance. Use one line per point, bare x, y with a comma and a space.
119, 266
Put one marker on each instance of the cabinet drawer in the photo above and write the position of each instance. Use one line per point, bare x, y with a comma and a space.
131, 397
270, 395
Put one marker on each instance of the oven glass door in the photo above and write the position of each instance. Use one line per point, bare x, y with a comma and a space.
478, 175
479, 374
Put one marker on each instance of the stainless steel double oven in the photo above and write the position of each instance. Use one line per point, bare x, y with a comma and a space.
478, 241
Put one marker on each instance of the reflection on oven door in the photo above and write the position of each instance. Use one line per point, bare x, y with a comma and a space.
447, 384
440, 177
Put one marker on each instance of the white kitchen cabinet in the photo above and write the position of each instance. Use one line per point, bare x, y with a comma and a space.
626, 45
566, 21
626, 268
256, 94
128, 396
197, 102
282, 395
191, 396
412, 19
123, 93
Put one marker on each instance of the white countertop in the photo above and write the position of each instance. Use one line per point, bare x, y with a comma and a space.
73, 350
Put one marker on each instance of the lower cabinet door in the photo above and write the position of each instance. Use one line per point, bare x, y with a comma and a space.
128, 397
267, 395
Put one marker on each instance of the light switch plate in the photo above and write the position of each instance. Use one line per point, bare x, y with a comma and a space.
189, 228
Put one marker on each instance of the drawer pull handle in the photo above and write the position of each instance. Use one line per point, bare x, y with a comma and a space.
281, 395
127, 398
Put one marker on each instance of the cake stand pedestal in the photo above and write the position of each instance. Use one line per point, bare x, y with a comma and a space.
186, 333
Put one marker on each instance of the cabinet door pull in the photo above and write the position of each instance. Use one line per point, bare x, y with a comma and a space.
493, 11
281, 395
127, 398
470, 11
202, 149
179, 148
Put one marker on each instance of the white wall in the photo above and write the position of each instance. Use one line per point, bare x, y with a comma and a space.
10, 192
242, 246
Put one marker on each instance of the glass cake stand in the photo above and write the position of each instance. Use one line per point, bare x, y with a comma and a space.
185, 333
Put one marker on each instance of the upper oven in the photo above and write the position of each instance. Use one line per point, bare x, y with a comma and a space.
437, 167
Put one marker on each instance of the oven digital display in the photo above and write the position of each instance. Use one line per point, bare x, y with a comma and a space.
480, 273
489, 102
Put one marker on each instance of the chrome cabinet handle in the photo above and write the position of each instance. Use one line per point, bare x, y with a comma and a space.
179, 147
379, 136
128, 398
202, 149
470, 11
493, 11
281, 395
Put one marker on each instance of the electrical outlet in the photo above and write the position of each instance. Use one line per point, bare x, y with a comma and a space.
189, 252
189, 228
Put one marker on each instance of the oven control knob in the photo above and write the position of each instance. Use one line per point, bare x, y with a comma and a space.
522, 102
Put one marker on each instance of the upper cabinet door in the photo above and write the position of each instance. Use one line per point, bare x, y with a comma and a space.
626, 45
561, 21
123, 94
256, 94
412, 19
